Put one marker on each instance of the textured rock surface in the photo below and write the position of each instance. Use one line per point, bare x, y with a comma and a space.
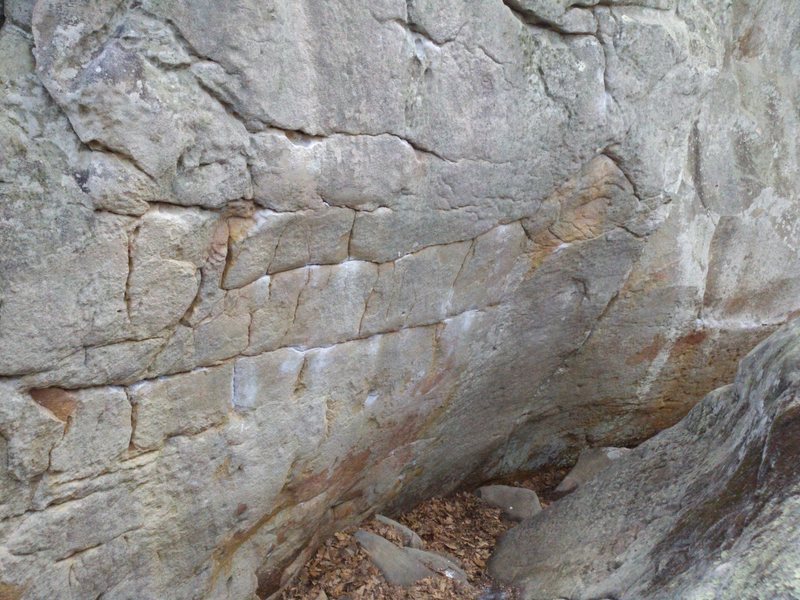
706, 509
398, 566
517, 503
404, 566
338, 256
590, 462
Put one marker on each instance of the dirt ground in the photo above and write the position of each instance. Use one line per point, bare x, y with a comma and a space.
459, 526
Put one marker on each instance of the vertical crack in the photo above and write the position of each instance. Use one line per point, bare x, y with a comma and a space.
131, 242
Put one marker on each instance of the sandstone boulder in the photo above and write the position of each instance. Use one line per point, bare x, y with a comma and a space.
340, 256
397, 566
706, 509
517, 503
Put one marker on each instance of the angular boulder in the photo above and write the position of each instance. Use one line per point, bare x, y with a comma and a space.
397, 566
517, 503
707, 509
408, 535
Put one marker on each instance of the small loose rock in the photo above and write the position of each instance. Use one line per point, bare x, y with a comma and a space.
517, 503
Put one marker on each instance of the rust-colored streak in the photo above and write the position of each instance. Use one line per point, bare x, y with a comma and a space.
59, 402
9, 591
648, 353
690, 340
342, 476
223, 555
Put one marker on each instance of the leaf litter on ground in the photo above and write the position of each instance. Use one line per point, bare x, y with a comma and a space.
458, 526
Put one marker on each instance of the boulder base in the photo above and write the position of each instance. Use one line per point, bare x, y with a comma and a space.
707, 509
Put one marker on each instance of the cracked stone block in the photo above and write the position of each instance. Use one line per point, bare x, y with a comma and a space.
492, 266
98, 431
221, 337
273, 319
30, 430
183, 404
415, 289
365, 172
213, 185
293, 171
77, 525
271, 242
160, 292
173, 233
266, 379
597, 200
116, 186
331, 304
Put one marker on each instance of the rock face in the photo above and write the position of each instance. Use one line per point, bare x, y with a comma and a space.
590, 462
706, 509
268, 267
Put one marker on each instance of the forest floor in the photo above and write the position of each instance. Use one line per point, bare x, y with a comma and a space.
459, 526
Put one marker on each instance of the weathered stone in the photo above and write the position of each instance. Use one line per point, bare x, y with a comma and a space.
413, 290
19, 12
517, 503
171, 233
220, 338
180, 404
87, 306
98, 430
273, 319
213, 185
116, 186
395, 564
738, 288
30, 431
371, 402
438, 563
266, 379
53, 532
505, 231
493, 265
160, 292
274, 242
590, 462
334, 295
293, 171
599, 199
693, 512
299, 299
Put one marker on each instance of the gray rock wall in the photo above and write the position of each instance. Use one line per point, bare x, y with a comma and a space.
267, 267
